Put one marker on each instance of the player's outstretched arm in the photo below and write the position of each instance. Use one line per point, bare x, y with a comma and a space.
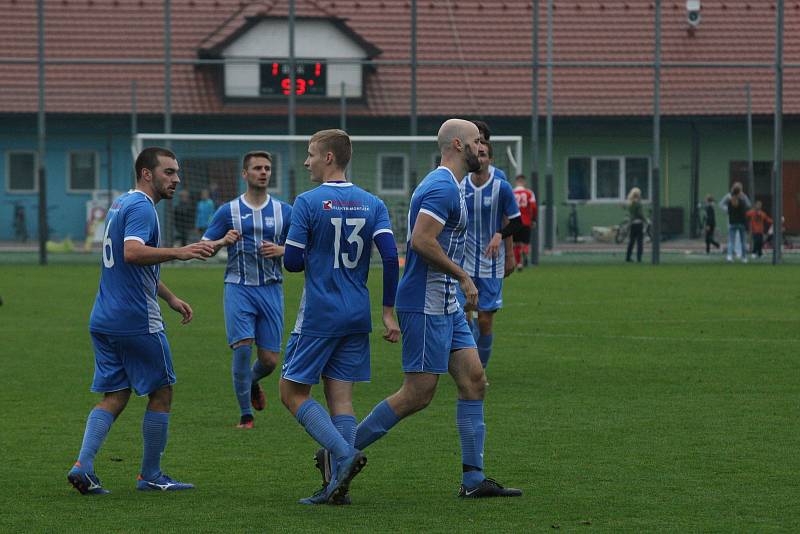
230, 237
423, 242
175, 303
138, 253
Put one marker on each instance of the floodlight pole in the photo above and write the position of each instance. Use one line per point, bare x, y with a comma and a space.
534, 241
751, 179
413, 125
549, 223
292, 112
41, 167
167, 68
777, 191
656, 167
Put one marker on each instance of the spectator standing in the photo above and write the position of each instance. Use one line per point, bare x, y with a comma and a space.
736, 204
758, 221
636, 215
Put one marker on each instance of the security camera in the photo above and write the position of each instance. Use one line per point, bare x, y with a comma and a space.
693, 12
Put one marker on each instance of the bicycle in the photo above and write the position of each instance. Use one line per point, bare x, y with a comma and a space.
624, 228
18, 222
572, 222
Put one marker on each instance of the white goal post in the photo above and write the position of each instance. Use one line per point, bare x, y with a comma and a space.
514, 156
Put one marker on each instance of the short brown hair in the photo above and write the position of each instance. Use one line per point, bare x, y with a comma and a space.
255, 154
336, 142
148, 159
483, 128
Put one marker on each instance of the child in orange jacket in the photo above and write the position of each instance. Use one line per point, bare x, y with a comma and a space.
758, 221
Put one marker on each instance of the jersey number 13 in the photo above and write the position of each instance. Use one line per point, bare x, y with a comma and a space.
357, 224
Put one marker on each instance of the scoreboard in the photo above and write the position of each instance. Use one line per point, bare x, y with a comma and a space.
310, 78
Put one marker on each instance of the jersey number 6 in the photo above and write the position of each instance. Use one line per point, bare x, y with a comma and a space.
108, 248
357, 225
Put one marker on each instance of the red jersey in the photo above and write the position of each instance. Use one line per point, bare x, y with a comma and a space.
526, 201
758, 221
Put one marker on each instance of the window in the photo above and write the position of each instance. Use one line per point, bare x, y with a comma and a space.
607, 178
21, 172
637, 174
392, 173
83, 171
579, 178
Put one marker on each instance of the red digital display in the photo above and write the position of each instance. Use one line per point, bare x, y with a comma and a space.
309, 78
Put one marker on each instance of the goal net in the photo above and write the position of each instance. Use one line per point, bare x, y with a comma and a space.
387, 166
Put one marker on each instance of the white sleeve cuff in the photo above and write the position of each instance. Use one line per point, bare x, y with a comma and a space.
431, 214
382, 231
134, 238
295, 244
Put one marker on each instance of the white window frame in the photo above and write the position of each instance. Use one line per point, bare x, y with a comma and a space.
623, 194
70, 189
8, 173
388, 191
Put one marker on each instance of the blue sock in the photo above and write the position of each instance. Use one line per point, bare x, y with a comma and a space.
485, 348
472, 431
97, 426
242, 377
260, 370
154, 432
318, 424
346, 425
374, 426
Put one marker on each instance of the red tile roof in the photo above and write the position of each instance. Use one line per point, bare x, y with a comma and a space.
490, 30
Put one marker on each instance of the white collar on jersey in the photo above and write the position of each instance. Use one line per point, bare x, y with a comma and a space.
337, 184
145, 194
491, 177
261, 207
451, 173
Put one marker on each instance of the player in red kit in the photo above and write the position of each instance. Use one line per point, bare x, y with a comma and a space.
526, 201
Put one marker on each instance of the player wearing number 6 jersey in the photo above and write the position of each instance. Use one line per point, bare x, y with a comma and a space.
131, 350
333, 228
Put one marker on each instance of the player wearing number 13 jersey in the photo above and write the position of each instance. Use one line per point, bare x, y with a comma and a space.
333, 228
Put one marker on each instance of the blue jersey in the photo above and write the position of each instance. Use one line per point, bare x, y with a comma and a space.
486, 206
268, 222
336, 224
423, 288
127, 300
498, 173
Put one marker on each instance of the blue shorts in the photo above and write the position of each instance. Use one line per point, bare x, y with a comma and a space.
428, 340
344, 358
490, 294
255, 312
142, 363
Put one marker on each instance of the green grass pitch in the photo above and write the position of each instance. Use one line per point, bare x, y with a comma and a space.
622, 398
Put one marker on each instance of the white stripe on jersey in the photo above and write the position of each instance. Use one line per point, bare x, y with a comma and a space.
236, 221
258, 237
278, 215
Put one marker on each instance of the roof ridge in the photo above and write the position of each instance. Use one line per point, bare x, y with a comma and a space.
237, 13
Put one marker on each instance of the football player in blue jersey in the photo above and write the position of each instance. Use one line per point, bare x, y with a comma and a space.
131, 350
436, 338
333, 228
253, 280
490, 201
